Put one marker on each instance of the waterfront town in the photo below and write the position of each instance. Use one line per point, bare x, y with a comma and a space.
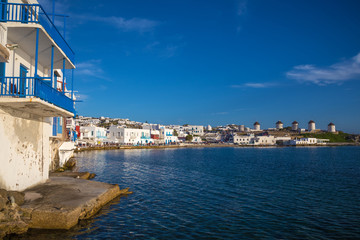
104, 131
40, 128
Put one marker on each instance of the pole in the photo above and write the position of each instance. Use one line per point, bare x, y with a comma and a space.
36, 52
63, 80
72, 84
52, 67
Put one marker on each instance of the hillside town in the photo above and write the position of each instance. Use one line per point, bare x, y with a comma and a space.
101, 131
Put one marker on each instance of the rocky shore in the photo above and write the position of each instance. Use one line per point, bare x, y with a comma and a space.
59, 203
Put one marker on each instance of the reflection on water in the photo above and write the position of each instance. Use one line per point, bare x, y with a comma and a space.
225, 193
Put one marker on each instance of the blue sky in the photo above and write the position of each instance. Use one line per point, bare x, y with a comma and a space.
217, 62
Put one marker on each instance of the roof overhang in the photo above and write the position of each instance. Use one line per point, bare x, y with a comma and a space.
25, 36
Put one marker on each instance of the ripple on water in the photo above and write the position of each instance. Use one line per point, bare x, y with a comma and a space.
225, 193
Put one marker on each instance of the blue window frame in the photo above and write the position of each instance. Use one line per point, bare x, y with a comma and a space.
23, 73
3, 10
55, 126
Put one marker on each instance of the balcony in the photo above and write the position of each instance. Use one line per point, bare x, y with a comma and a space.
145, 137
34, 95
35, 14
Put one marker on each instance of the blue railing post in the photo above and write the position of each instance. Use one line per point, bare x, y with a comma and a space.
63, 80
52, 66
72, 84
36, 52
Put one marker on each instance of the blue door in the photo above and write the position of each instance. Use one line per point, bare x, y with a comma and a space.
22, 82
3, 10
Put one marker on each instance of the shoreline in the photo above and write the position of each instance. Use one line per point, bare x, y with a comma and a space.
98, 148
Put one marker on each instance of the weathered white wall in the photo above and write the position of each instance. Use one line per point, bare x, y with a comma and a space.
24, 149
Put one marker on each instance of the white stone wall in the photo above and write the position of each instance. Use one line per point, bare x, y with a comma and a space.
25, 150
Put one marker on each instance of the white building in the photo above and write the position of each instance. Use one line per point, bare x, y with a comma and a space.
242, 128
243, 139
94, 134
167, 136
254, 140
295, 126
196, 139
195, 130
33, 96
130, 136
331, 128
208, 128
311, 126
304, 141
279, 125
257, 126
264, 140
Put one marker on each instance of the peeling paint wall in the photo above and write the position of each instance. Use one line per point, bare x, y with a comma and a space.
24, 149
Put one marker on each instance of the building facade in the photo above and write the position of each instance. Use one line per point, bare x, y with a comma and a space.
31, 98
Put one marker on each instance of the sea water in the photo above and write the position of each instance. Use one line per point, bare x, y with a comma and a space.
224, 193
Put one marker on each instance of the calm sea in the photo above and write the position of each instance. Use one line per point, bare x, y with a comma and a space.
225, 193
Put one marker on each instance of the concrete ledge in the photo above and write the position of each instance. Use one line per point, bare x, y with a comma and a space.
62, 201
34, 106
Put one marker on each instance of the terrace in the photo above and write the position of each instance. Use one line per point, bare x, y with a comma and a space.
30, 28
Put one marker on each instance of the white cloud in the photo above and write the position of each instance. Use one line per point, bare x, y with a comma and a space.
91, 69
241, 7
127, 25
334, 74
254, 85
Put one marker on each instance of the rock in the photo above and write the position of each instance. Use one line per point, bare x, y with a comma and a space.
17, 227
3, 202
3, 193
92, 175
19, 197
2, 216
70, 164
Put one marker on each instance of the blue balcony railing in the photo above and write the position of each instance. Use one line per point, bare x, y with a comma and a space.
34, 13
35, 87
145, 137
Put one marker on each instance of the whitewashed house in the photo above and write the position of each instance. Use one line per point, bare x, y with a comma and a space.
243, 139
195, 130
167, 136
93, 134
264, 140
130, 136
304, 141
32, 105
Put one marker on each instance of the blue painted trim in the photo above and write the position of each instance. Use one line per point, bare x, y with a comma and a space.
72, 84
34, 13
36, 87
63, 80
36, 52
54, 129
52, 66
